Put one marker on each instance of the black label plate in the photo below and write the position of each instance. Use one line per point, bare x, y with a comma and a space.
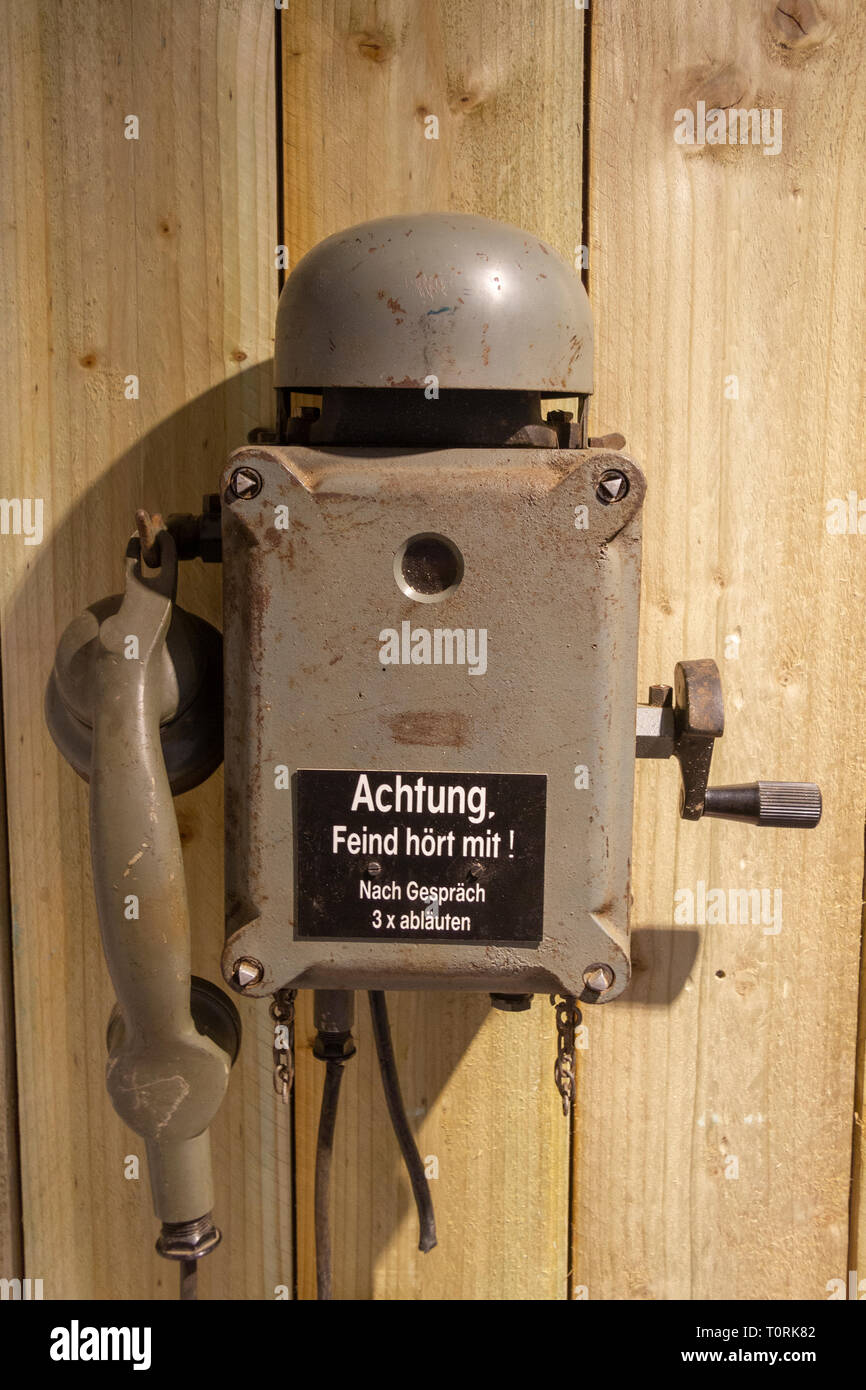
455, 858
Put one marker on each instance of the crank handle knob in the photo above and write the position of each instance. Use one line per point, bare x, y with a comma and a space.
795, 805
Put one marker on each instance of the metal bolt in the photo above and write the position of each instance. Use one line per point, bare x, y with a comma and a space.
247, 972
612, 487
660, 696
188, 1240
476, 869
561, 422
374, 867
245, 483
598, 978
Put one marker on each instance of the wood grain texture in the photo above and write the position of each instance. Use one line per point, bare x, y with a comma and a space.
857, 1231
358, 82
707, 263
152, 257
11, 1228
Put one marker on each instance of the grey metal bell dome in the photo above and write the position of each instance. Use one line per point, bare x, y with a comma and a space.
477, 304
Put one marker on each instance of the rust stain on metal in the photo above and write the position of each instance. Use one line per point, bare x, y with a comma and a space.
279, 541
430, 728
576, 350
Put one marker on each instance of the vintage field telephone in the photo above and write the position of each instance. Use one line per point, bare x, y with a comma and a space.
425, 694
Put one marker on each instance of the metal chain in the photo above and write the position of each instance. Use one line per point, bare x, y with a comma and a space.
282, 1011
568, 1019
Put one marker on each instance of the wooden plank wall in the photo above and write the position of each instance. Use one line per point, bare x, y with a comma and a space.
155, 257
152, 257
706, 264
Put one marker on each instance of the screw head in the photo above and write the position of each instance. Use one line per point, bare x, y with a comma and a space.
245, 483
246, 972
476, 869
612, 487
598, 978
374, 868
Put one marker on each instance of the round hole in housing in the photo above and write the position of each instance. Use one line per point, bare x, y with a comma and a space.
428, 567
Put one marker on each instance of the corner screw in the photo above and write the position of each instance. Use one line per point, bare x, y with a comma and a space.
612, 487
245, 483
246, 972
598, 978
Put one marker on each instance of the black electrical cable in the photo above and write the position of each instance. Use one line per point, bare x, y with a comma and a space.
189, 1281
396, 1109
324, 1153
